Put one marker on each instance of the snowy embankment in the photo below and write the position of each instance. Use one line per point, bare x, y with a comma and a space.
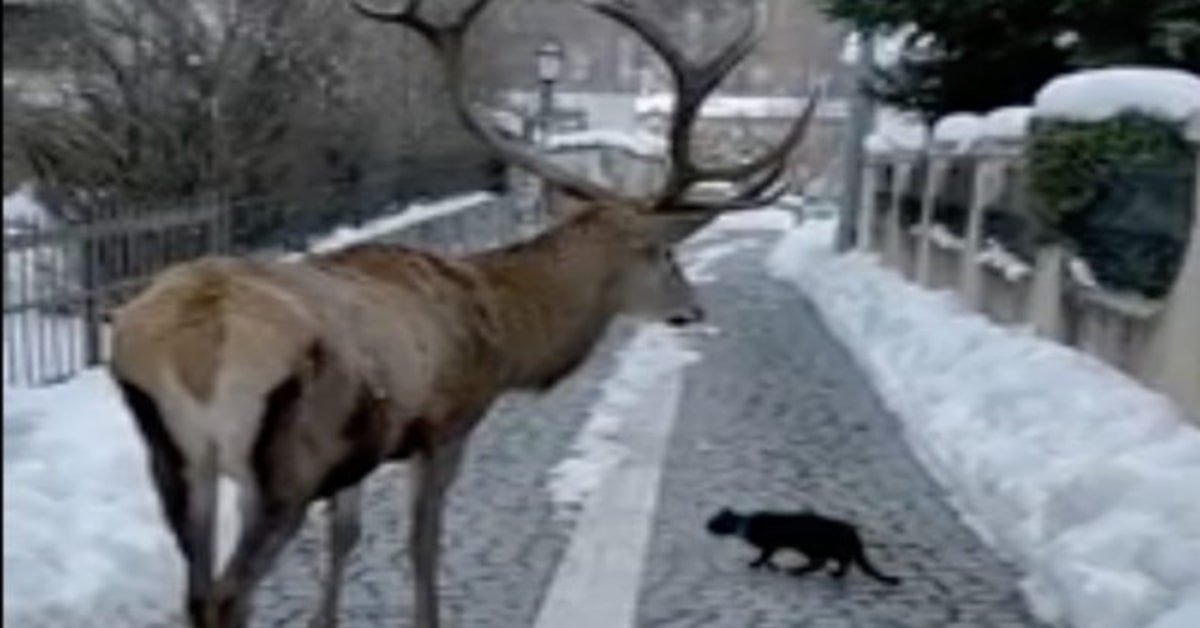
85, 545
1089, 482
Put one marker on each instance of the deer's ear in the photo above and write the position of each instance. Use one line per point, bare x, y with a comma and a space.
675, 228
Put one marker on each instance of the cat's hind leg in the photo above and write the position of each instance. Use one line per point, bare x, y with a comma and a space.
814, 564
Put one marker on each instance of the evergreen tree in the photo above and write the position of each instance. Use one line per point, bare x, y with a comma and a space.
975, 55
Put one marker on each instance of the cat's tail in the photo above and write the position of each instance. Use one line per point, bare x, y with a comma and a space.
870, 570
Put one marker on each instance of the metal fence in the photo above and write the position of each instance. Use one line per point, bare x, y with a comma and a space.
62, 278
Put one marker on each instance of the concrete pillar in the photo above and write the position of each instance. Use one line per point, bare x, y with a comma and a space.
1044, 310
866, 208
1173, 365
985, 189
894, 249
935, 182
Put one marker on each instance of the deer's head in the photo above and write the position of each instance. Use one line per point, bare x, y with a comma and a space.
651, 280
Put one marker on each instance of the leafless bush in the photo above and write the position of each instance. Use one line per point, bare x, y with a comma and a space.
252, 100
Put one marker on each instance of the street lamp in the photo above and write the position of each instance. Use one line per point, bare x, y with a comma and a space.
550, 57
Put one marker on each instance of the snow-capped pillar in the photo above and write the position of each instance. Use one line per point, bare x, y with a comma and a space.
894, 249
866, 208
935, 183
985, 189
1173, 366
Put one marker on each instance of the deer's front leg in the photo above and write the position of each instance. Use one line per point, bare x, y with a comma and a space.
433, 473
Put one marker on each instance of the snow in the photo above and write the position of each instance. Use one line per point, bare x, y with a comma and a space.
995, 256
1082, 477
958, 130
736, 106
1066, 39
21, 208
896, 132
889, 49
1093, 95
1006, 123
638, 141
83, 543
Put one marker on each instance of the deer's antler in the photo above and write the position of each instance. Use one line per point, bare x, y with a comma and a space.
448, 41
757, 182
762, 178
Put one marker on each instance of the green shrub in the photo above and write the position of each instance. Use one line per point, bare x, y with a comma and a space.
1119, 190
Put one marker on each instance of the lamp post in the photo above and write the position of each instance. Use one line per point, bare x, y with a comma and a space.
861, 112
550, 57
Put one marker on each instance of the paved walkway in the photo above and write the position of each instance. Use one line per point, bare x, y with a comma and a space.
774, 415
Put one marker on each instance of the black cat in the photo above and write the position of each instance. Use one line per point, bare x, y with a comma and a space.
820, 539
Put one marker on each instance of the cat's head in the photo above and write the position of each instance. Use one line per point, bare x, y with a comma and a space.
725, 522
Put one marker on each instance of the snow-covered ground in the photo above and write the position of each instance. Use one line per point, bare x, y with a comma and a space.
84, 546
1089, 482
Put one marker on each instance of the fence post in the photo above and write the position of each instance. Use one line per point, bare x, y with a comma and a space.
866, 207
984, 188
857, 167
894, 250
1174, 359
935, 182
92, 229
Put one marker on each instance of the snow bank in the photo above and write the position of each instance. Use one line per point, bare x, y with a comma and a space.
1092, 95
1006, 123
84, 544
958, 131
1082, 477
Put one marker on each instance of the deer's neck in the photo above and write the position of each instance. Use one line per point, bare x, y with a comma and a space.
552, 299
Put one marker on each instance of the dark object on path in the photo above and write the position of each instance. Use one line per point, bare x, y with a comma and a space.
820, 539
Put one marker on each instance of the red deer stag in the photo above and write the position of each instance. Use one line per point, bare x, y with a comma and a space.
298, 379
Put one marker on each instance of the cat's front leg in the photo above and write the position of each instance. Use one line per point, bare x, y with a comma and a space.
764, 560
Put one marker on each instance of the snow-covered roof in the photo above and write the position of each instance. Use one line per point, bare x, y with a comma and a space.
958, 131
1006, 123
1092, 95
